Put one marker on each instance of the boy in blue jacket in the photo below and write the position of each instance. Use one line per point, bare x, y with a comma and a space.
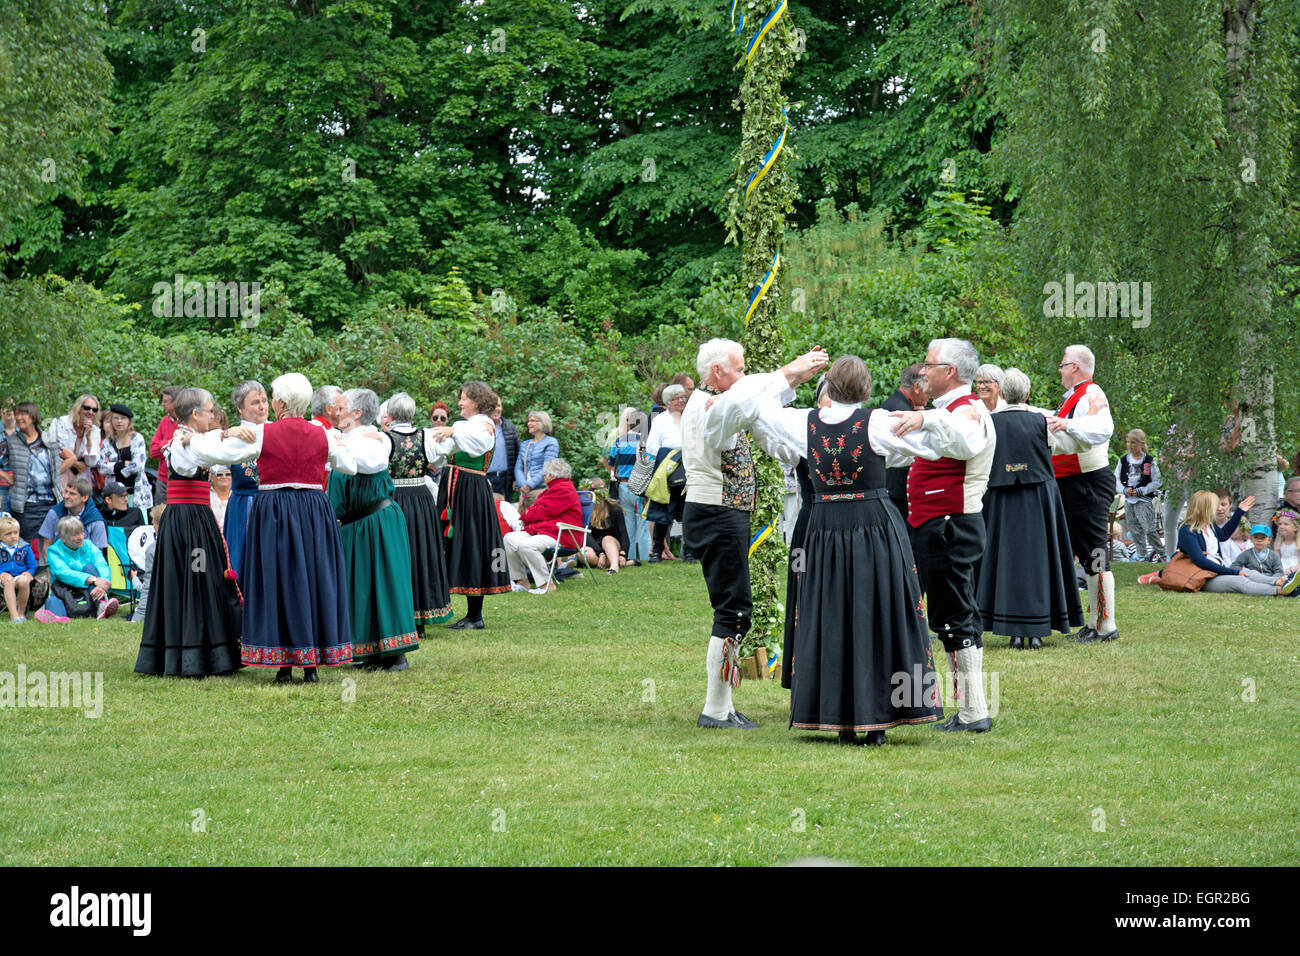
79, 575
17, 569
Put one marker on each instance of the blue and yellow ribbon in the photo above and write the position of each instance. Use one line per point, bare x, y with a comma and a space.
770, 159
760, 538
739, 29
762, 30
760, 290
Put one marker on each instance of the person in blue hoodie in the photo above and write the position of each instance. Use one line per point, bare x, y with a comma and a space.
17, 569
77, 503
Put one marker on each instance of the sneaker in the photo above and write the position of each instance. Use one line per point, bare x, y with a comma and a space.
1150, 578
517, 587
49, 617
18, 620
1291, 583
107, 609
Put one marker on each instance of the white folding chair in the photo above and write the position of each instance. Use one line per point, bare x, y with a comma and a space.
562, 527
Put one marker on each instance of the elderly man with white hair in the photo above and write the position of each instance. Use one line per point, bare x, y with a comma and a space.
945, 501
720, 492
1087, 485
295, 612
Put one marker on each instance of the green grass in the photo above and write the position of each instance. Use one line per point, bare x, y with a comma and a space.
538, 725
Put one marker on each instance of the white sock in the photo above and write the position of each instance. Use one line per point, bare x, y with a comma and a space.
970, 663
1107, 624
717, 699
1092, 600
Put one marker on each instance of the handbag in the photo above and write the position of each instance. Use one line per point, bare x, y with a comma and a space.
659, 490
642, 472
1182, 574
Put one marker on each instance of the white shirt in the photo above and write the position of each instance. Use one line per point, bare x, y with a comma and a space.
369, 455
472, 436
664, 433
707, 433
209, 449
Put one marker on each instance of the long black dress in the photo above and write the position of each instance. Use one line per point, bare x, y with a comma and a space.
798, 561
1026, 585
408, 464
861, 658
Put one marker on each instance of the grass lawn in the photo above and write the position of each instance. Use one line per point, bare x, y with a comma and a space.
534, 742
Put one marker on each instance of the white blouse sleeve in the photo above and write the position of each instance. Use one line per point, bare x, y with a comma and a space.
896, 450
340, 455
1094, 428
737, 408
781, 432
952, 435
181, 459
210, 449
369, 454
472, 437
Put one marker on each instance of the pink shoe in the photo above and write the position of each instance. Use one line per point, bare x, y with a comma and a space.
107, 609
1150, 578
49, 617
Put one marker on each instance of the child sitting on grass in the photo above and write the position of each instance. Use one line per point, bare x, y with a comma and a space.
17, 569
79, 574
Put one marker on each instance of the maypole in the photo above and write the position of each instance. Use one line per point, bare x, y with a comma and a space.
763, 196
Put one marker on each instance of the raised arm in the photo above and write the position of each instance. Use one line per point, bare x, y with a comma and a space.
737, 408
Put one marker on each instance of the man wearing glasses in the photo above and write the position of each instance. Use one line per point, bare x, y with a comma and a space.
1087, 485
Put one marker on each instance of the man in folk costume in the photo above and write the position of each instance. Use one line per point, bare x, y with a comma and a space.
1087, 485
945, 500
908, 397
720, 490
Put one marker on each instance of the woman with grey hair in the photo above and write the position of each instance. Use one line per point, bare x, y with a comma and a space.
558, 504
376, 546
295, 614
253, 409
665, 438
193, 619
535, 453
988, 387
414, 453
1026, 587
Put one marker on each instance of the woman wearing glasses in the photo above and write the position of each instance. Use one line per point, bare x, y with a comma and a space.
988, 387
78, 438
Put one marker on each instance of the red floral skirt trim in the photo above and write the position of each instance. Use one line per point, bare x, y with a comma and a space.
294, 657
436, 616
398, 643
503, 589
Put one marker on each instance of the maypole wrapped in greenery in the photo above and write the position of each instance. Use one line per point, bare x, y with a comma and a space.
763, 196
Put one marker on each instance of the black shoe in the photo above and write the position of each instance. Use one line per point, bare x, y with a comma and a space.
874, 738
734, 721
1035, 643
397, 663
465, 624
848, 737
1017, 643
309, 675
984, 725
654, 559
947, 724
1112, 636
1087, 635
284, 675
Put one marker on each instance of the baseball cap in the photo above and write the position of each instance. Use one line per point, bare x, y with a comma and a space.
1263, 529
114, 488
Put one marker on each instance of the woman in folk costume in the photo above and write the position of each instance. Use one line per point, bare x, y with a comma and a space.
414, 450
475, 551
1026, 587
295, 613
798, 548
859, 628
192, 621
253, 408
376, 546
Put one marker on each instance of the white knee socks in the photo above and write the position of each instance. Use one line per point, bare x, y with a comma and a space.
970, 670
1093, 580
717, 698
1106, 620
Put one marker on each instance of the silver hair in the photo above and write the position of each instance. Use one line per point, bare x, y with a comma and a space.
1082, 355
557, 468
68, 525
189, 401
401, 407
958, 353
991, 372
243, 390
672, 392
716, 352
1015, 386
325, 395
294, 389
365, 401
543, 419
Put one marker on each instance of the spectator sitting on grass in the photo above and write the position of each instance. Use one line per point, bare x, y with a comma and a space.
78, 572
1260, 557
17, 569
76, 503
117, 513
1288, 523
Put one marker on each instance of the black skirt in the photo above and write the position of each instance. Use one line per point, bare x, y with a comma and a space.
798, 559
474, 550
861, 656
1026, 582
192, 622
428, 563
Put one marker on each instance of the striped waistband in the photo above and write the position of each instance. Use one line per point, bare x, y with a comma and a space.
304, 485
853, 495
188, 491
408, 482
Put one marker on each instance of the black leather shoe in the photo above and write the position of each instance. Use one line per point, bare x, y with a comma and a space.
1017, 644
284, 675
734, 721
654, 559
874, 738
397, 663
946, 723
309, 675
1035, 643
1112, 636
849, 737
1087, 635
981, 726
465, 624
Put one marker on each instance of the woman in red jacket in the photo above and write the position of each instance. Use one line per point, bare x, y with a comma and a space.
558, 503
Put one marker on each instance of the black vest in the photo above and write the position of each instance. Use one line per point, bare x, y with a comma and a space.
1022, 455
1125, 465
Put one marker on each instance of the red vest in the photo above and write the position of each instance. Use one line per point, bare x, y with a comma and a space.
505, 525
1066, 465
937, 488
294, 451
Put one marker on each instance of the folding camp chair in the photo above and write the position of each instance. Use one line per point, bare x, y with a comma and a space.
588, 501
118, 556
